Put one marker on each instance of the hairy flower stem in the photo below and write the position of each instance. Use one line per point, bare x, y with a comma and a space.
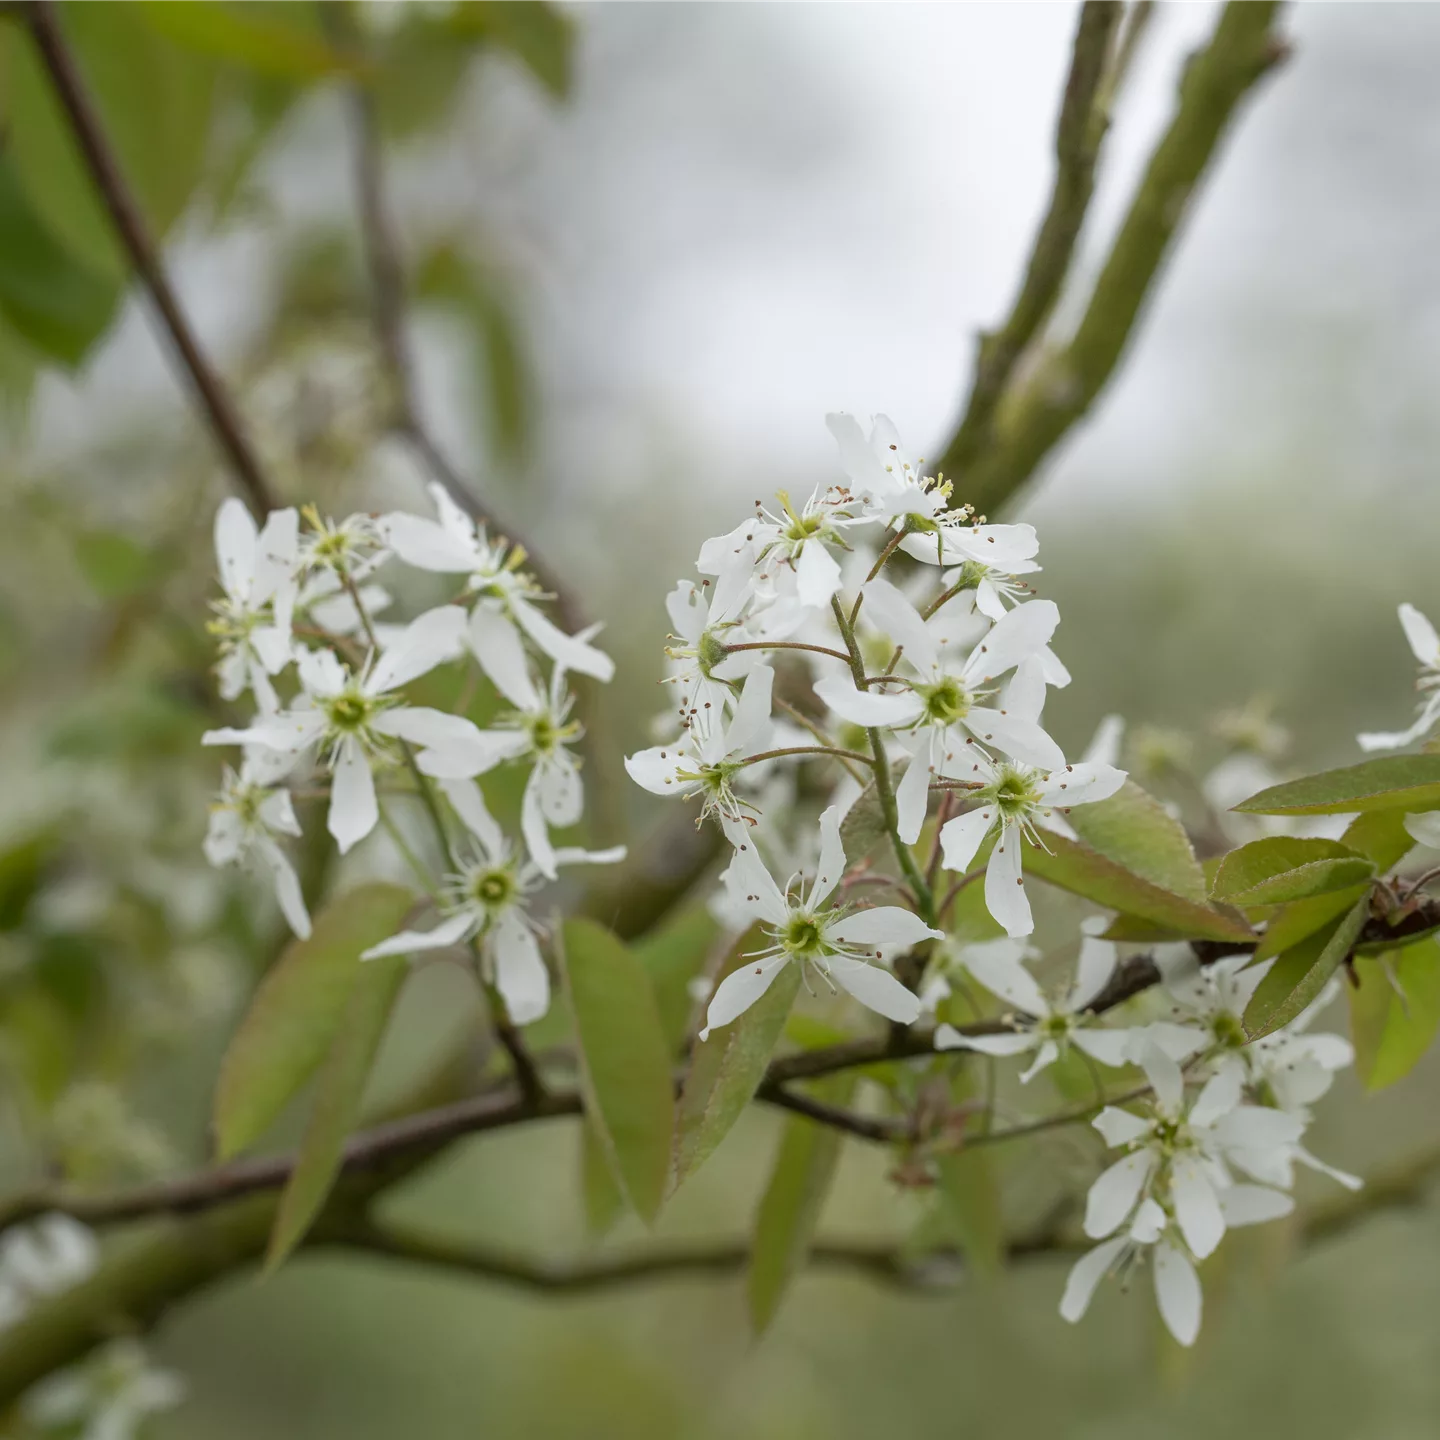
884, 785
854, 755
786, 645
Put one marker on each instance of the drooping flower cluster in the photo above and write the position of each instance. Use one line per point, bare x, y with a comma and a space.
305, 602
878, 631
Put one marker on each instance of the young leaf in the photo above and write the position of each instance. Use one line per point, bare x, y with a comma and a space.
250, 36
625, 1060
297, 1011
1392, 782
540, 36
1136, 831
1395, 1012
602, 1199
791, 1205
1083, 871
1299, 975
970, 1202
674, 954
726, 1070
1282, 868
59, 305
339, 1089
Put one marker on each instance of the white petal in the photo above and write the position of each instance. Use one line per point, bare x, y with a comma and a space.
353, 808
1109, 1047
287, 889
224, 838
1165, 1079
999, 969
1085, 1276
999, 546
534, 828
912, 794
988, 601
448, 932
888, 610
429, 640
562, 793
275, 549
857, 456
1053, 666
753, 879
1149, 1222
884, 925
1045, 1056
947, 1037
1179, 1042
876, 989
421, 725
1197, 1207
575, 855
1112, 1197
739, 990
831, 864
1022, 739
963, 836
568, 651
688, 611
1253, 1204
1104, 746
817, 575
866, 707
481, 752
1177, 1293
1120, 1127
1220, 1096
655, 769
1421, 635
1024, 632
1092, 971
1081, 784
1425, 829
750, 729
1024, 696
1256, 1127
520, 974
469, 804
496, 645
235, 548
1005, 896
428, 546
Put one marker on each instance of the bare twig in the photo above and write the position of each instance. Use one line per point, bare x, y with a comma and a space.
1036, 410
104, 168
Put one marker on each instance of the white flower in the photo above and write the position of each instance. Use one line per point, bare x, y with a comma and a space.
539, 731
247, 816
50, 1255
1050, 1026
704, 671
1014, 800
835, 941
707, 764
1177, 1153
895, 490
349, 549
792, 545
107, 1397
1151, 1233
353, 719
506, 593
487, 899
940, 701
252, 621
324, 599
1426, 647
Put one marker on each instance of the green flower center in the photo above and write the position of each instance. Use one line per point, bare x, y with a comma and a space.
493, 888
350, 711
802, 935
946, 702
1228, 1031
1016, 795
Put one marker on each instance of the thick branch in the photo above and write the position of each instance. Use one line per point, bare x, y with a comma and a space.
124, 212
1078, 136
1036, 413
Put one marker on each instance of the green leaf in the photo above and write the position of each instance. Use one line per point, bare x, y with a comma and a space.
1393, 782
1299, 974
600, 1194
726, 1070
1379, 834
58, 304
114, 565
339, 1088
1395, 1012
625, 1060
297, 1011
250, 35
1282, 868
1135, 830
1082, 871
540, 36
863, 827
970, 1201
791, 1205
674, 954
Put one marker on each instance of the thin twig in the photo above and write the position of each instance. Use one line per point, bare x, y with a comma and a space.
124, 211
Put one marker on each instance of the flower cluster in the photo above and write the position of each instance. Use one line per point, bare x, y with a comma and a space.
305, 602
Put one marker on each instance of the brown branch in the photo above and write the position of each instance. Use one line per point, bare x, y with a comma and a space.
1079, 134
1037, 409
104, 168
